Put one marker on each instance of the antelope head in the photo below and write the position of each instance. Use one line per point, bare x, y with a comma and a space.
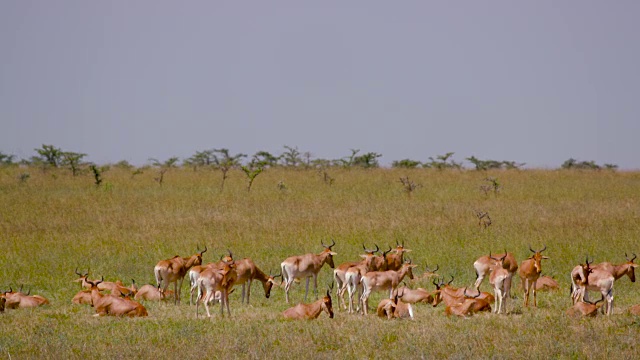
537, 257
329, 253
631, 267
326, 302
268, 285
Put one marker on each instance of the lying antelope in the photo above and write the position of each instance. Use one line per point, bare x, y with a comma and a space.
247, 272
116, 288
499, 279
484, 264
395, 308
451, 295
603, 277
468, 305
152, 293
339, 273
384, 280
173, 271
529, 273
584, 308
306, 266
635, 310
310, 311
429, 273
580, 280
83, 297
18, 299
546, 283
114, 305
414, 296
211, 281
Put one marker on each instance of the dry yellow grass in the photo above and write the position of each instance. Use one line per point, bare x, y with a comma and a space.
54, 222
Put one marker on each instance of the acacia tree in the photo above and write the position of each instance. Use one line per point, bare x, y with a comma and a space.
163, 167
224, 161
73, 161
442, 162
264, 159
368, 160
291, 157
6, 159
200, 159
50, 155
251, 173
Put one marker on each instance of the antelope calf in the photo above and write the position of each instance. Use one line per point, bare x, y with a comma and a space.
484, 264
310, 311
173, 271
529, 273
384, 280
306, 266
583, 308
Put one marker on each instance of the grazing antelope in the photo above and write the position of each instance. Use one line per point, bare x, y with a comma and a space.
384, 280
529, 273
499, 279
306, 266
211, 281
310, 311
395, 308
247, 272
395, 260
484, 264
583, 308
580, 280
173, 271
468, 305
339, 273
152, 293
603, 277
114, 305
18, 299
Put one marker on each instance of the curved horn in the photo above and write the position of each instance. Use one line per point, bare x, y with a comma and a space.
77, 273
384, 253
450, 281
377, 248
230, 253
630, 260
588, 262
436, 284
543, 248
333, 243
29, 292
133, 281
531, 249
397, 244
204, 251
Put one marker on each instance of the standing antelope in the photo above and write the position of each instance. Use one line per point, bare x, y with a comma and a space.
339, 274
212, 280
306, 266
484, 264
384, 280
114, 305
310, 311
603, 277
529, 273
499, 279
173, 271
247, 272
194, 272
395, 260
353, 277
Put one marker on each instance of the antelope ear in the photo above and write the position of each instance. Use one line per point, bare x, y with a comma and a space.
363, 256
546, 257
407, 250
333, 253
635, 265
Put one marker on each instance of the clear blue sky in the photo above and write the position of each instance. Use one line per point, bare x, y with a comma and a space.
529, 81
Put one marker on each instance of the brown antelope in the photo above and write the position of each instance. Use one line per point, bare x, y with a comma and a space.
310, 311
247, 272
603, 277
339, 273
499, 279
114, 305
634, 310
384, 280
451, 295
580, 280
395, 260
211, 281
484, 264
395, 308
583, 308
414, 296
2, 302
83, 297
353, 277
468, 305
116, 288
18, 299
529, 273
547, 283
194, 273
152, 293
306, 266
173, 271
429, 273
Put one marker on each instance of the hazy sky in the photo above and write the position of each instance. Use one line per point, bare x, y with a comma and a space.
529, 81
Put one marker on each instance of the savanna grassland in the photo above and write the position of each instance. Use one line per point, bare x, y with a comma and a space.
54, 222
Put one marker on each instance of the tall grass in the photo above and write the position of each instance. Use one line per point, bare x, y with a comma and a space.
54, 222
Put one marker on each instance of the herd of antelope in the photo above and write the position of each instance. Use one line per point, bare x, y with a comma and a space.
385, 271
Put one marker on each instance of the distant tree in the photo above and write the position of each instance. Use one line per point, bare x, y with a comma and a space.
73, 161
163, 167
583, 165
368, 160
264, 159
6, 159
442, 162
97, 174
484, 164
50, 154
200, 159
291, 157
512, 165
405, 164
224, 161
349, 160
123, 164
610, 166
